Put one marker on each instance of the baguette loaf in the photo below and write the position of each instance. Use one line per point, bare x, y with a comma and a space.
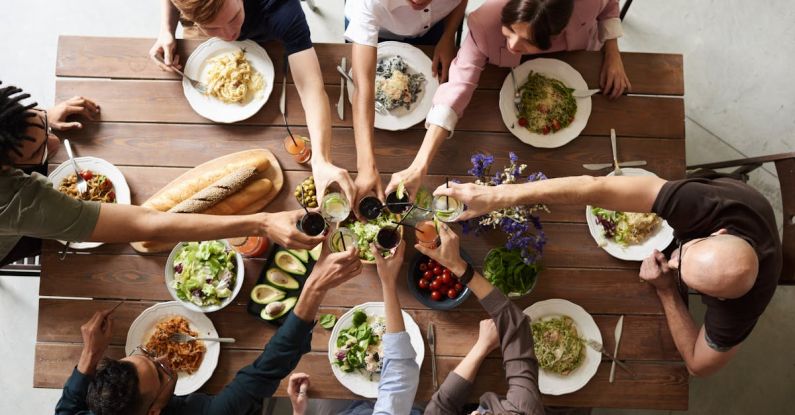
216, 192
254, 191
175, 193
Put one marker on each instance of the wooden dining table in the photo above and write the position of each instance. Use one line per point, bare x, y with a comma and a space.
149, 131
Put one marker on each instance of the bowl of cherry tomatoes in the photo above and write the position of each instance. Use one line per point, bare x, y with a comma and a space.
434, 285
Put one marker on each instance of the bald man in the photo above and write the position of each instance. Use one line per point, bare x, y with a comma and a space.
728, 248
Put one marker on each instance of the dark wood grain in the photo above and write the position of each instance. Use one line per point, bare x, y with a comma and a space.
163, 101
657, 386
127, 58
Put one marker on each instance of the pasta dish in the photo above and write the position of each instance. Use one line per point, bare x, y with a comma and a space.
182, 357
558, 347
100, 188
546, 104
626, 228
231, 78
394, 86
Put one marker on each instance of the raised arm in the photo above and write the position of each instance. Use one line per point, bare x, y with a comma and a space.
363, 61
165, 45
400, 374
629, 194
444, 52
308, 78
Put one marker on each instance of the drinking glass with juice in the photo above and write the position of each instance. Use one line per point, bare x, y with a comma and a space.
426, 234
297, 147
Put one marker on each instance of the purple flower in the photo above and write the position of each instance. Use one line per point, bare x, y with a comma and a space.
534, 177
514, 158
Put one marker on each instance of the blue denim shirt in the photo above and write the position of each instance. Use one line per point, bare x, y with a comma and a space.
400, 377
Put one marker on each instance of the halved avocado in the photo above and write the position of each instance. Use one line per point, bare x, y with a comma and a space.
264, 294
277, 309
302, 254
289, 263
279, 278
315, 252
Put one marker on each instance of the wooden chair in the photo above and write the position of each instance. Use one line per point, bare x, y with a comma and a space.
28, 267
625, 9
785, 167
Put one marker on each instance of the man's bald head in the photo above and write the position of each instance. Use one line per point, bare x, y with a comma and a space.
723, 266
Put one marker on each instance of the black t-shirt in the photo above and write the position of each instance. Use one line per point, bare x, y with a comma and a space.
695, 208
282, 20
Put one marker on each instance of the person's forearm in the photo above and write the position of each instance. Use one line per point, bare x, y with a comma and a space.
453, 21
683, 329
394, 316
610, 47
363, 62
169, 17
88, 362
308, 80
469, 366
479, 285
434, 137
126, 223
309, 302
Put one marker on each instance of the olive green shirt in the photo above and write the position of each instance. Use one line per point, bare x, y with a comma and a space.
30, 206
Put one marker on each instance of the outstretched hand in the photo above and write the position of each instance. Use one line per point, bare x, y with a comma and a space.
76, 105
479, 200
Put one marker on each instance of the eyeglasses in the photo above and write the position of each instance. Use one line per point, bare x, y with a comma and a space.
679, 284
162, 370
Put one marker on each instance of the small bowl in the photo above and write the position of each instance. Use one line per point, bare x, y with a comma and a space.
423, 296
518, 295
240, 273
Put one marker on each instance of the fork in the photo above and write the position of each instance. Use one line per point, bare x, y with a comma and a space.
202, 88
617, 171
82, 187
184, 338
516, 98
379, 107
593, 344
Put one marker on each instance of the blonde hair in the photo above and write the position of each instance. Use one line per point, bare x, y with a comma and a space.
199, 11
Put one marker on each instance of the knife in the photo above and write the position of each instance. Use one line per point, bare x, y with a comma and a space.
585, 93
617, 170
341, 103
600, 166
619, 328
283, 98
593, 344
432, 345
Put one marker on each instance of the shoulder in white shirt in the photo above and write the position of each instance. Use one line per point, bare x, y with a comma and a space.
392, 19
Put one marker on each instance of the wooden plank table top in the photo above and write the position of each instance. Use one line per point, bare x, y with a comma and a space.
150, 132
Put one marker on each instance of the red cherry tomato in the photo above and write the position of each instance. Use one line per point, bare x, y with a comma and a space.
522, 121
427, 274
423, 284
435, 284
436, 296
458, 287
423, 267
87, 174
446, 279
112, 196
452, 293
437, 270
545, 130
555, 125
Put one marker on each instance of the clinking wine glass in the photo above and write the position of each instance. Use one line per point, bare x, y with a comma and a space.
341, 239
446, 208
312, 224
370, 207
335, 207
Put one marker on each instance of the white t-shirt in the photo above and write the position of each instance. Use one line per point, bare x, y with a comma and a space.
392, 19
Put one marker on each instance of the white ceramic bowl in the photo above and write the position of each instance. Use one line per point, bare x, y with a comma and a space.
240, 273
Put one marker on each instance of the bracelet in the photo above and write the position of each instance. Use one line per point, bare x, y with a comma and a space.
467, 276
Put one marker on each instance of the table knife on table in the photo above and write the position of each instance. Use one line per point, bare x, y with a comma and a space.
341, 102
602, 166
619, 328
432, 345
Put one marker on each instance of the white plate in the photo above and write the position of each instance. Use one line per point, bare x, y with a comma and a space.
143, 327
659, 240
551, 68
240, 275
402, 118
356, 382
212, 108
97, 165
551, 383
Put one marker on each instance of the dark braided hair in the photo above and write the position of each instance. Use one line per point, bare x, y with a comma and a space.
14, 121
114, 390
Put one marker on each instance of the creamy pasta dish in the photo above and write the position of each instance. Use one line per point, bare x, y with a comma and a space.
232, 79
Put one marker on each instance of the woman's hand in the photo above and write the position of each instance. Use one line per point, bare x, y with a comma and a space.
488, 337
367, 181
280, 227
297, 388
443, 55
411, 178
613, 79
165, 47
326, 173
77, 105
389, 268
448, 254
479, 200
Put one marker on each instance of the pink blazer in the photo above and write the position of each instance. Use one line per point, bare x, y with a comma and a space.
592, 22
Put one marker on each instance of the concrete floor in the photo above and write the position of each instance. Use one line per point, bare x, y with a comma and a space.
739, 102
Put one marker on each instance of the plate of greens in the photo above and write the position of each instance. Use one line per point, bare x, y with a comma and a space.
204, 276
355, 347
559, 329
505, 269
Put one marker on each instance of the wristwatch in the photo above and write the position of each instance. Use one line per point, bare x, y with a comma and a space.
467, 276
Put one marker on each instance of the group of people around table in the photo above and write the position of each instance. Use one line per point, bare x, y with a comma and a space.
725, 229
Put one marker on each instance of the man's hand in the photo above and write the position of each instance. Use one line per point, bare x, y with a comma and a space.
281, 228
443, 54
326, 173
656, 272
479, 200
411, 178
368, 181
389, 268
165, 47
297, 389
333, 269
488, 337
57, 115
448, 254
613, 79
96, 338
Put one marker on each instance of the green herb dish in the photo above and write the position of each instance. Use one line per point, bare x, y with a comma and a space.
558, 346
506, 270
204, 276
358, 348
327, 321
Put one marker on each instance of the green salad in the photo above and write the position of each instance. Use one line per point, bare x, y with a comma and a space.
359, 346
505, 269
204, 272
557, 345
366, 233
626, 228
